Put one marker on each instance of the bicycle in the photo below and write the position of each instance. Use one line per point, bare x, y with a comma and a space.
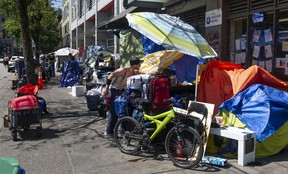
183, 144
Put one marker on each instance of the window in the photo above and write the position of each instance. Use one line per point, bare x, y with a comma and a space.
110, 42
261, 40
238, 39
281, 52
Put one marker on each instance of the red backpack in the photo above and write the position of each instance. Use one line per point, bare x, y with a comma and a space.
158, 91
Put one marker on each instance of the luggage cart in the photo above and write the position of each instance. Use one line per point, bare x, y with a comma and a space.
24, 111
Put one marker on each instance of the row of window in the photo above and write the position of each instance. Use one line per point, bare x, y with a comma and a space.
260, 40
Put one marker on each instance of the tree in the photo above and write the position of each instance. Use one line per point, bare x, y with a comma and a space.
22, 7
34, 19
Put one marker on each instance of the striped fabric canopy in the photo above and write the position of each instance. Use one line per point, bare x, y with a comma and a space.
159, 60
172, 33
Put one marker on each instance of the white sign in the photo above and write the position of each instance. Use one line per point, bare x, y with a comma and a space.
213, 17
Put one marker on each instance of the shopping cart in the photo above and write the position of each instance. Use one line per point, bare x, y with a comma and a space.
24, 111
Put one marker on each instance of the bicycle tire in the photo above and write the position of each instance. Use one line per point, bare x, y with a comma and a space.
124, 128
189, 146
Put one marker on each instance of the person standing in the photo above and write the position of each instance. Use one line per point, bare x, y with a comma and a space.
119, 77
5, 60
16, 65
51, 66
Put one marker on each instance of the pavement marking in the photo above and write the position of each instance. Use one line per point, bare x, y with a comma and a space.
73, 170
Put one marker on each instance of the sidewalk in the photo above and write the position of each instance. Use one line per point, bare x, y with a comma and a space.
73, 143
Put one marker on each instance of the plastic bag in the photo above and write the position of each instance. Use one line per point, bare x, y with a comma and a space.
121, 105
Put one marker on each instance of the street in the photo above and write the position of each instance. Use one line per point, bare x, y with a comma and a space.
73, 142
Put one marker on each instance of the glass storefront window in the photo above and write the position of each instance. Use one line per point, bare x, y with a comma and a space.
281, 52
261, 42
238, 37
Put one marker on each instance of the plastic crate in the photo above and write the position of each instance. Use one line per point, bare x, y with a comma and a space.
93, 102
9, 166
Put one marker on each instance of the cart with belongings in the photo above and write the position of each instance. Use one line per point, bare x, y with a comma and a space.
24, 111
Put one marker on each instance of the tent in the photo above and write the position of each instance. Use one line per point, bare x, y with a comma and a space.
262, 109
222, 80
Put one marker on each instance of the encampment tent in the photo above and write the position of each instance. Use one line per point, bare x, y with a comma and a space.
262, 109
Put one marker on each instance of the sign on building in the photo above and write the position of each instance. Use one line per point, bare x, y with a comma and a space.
213, 18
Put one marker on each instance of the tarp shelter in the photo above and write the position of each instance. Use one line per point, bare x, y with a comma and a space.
130, 46
222, 80
264, 110
70, 73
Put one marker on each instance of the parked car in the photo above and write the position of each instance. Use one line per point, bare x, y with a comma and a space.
11, 63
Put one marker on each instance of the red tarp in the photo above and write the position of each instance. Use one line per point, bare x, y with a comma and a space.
222, 80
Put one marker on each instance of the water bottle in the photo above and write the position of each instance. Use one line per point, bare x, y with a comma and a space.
214, 160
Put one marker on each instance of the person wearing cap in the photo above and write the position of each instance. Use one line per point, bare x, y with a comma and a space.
116, 82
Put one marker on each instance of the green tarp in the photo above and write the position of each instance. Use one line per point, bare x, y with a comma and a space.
128, 50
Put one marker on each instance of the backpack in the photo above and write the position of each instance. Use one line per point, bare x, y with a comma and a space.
158, 91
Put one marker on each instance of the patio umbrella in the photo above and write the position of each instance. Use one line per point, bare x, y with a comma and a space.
66, 51
172, 33
183, 65
156, 61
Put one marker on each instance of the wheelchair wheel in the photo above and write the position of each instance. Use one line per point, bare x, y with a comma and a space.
185, 148
128, 135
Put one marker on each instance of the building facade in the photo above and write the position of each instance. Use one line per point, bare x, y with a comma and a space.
80, 20
246, 32
6, 43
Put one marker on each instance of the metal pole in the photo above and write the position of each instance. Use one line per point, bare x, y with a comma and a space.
196, 84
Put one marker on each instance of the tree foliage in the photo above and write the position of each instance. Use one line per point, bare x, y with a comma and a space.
32, 19
43, 22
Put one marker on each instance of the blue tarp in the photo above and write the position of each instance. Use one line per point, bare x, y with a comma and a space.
70, 73
261, 108
149, 46
185, 67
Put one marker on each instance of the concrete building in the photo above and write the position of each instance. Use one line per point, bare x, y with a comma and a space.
247, 32
80, 20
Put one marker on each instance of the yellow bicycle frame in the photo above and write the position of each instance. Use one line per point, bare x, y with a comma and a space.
169, 115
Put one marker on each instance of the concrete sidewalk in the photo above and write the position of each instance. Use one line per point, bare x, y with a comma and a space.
73, 142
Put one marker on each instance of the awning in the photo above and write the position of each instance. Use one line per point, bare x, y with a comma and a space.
116, 22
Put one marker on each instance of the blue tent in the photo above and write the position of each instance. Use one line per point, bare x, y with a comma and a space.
261, 108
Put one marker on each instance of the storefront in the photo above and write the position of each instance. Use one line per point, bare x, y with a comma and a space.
258, 34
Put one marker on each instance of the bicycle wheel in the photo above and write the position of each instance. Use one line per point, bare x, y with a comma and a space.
128, 135
185, 148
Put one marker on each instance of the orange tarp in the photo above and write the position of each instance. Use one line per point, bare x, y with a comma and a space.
222, 80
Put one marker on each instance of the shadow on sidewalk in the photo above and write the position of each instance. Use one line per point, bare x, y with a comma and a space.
31, 134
